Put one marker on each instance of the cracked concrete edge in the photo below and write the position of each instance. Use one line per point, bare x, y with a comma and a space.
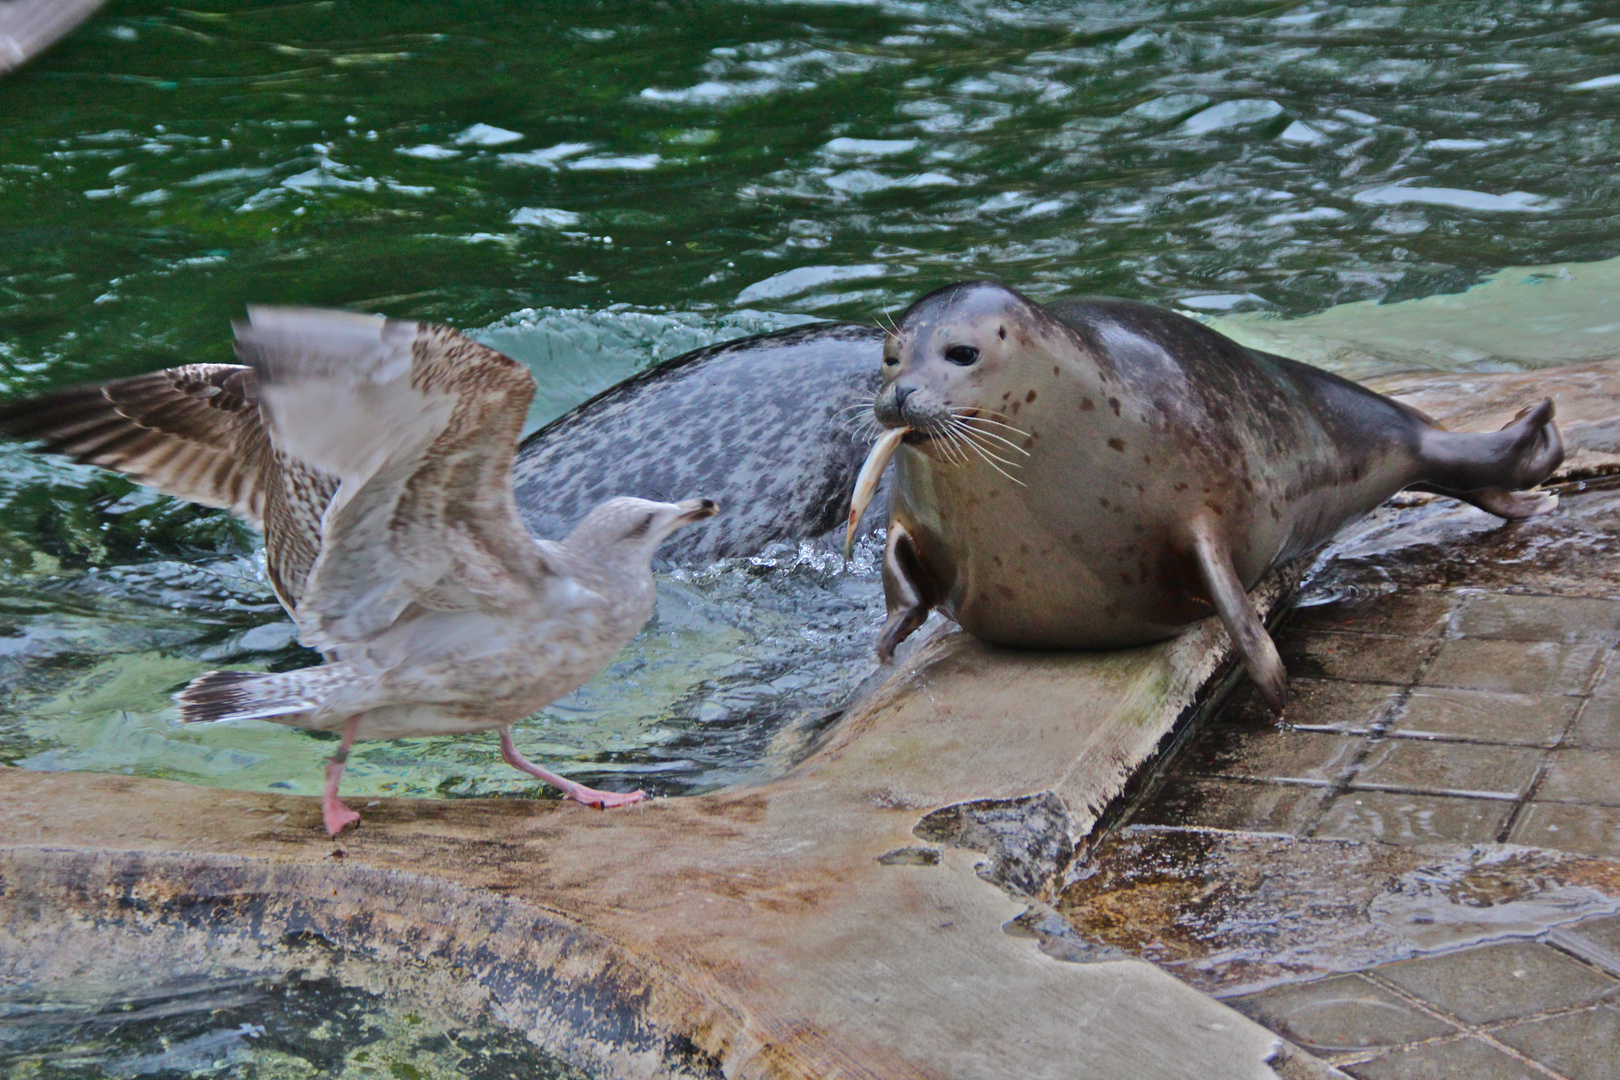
1032, 840
570, 992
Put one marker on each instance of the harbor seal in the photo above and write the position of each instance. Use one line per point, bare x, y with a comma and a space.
1100, 473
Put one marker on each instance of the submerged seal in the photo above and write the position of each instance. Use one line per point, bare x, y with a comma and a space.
1101, 473
765, 425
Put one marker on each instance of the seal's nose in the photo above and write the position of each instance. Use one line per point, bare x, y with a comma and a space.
890, 406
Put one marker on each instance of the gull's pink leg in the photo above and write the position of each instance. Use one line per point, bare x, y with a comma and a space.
336, 814
578, 792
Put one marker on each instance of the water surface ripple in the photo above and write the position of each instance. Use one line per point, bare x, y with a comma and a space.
465, 161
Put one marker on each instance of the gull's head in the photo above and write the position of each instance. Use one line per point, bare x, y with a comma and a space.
626, 529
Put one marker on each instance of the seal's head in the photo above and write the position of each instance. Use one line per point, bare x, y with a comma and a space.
945, 355
944, 363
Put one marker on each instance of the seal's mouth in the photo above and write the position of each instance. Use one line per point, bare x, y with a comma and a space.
965, 435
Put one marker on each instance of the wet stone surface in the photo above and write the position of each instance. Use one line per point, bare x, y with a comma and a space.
1414, 873
1516, 1009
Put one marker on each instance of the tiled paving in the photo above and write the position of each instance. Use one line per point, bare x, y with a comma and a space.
1517, 1009
1477, 702
1461, 716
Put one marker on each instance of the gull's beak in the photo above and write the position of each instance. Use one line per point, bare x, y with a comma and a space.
697, 510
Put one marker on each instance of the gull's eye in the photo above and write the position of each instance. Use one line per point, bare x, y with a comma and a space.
962, 355
640, 530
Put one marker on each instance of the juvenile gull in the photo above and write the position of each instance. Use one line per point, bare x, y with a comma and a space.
375, 456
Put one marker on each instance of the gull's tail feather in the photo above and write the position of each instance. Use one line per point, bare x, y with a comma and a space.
251, 695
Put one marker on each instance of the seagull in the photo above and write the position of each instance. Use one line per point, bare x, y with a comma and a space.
375, 455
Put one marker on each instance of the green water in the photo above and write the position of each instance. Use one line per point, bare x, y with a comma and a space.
109, 1026
165, 165
593, 187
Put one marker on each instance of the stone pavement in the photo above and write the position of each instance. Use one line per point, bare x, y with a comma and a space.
1456, 715
1519, 1009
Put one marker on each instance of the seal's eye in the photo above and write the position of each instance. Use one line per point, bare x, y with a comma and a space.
962, 355
890, 361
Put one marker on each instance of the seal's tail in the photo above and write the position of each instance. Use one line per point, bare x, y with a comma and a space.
249, 695
1493, 470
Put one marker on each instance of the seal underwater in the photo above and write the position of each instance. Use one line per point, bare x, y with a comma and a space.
757, 422
1099, 473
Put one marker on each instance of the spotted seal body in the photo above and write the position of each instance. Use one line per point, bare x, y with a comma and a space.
763, 421
1140, 471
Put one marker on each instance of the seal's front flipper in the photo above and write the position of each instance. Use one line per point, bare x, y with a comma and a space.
1243, 624
904, 589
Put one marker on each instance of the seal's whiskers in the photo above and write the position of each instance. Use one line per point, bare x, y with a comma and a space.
950, 443
993, 435
986, 452
977, 417
993, 460
966, 434
856, 419
989, 416
977, 436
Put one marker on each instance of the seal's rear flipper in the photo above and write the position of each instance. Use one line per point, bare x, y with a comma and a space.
1512, 505
1492, 470
1243, 625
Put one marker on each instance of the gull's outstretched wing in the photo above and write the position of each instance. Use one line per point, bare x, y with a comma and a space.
193, 432
418, 424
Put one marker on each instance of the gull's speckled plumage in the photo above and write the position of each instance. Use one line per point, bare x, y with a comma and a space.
193, 432
376, 455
